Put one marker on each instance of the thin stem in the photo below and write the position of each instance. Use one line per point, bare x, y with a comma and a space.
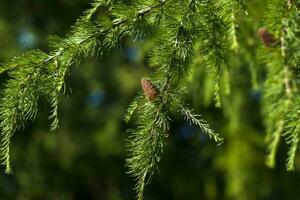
170, 75
289, 3
286, 71
235, 44
116, 24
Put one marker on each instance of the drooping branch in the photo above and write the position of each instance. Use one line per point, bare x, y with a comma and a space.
286, 70
35, 74
170, 59
281, 99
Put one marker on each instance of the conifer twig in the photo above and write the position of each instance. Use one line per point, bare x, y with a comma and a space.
285, 65
171, 56
281, 99
44, 73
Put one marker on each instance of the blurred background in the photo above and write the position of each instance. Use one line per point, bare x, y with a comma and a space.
84, 159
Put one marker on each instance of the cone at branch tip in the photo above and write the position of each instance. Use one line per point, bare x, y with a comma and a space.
150, 91
267, 38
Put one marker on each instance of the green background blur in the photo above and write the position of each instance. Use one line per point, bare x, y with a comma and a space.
85, 158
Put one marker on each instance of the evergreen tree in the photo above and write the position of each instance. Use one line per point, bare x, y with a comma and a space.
183, 32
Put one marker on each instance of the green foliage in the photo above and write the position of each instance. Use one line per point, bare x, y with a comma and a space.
281, 97
27, 83
195, 119
182, 31
179, 29
170, 59
37, 74
214, 47
146, 144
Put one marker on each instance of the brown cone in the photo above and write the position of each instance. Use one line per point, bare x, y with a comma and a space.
150, 91
267, 38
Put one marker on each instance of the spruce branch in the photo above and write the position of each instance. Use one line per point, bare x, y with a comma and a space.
36, 74
95, 5
281, 98
214, 41
170, 58
204, 126
273, 140
146, 145
293, 141
230, 9
292, 121
20, 100
284, 57
132, 108
54, 114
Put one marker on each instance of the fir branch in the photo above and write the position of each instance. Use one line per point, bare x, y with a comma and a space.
54, 114
204, 126
37, 74
146, 145
170, 57
273, 141
95, 5
230, 9
32, 76
215, 42
281, 99
293, 141
286, 70
132, 107
275, 107
291, 132
20, 100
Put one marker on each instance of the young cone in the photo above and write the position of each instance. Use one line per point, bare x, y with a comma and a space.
150, 91
267, 38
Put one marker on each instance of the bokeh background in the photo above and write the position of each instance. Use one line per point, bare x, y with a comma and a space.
85, 158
